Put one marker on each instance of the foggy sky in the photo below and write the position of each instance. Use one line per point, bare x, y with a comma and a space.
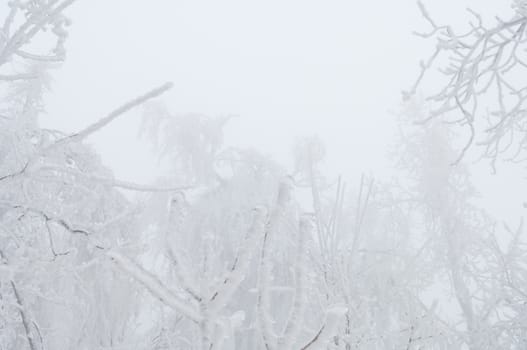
287, 69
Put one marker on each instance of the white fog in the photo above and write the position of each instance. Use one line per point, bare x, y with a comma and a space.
263, 175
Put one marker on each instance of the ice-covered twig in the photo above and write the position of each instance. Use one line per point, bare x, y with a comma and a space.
108, 181
15, 77
49, 218
21, 308
33, 25
333, 317
15, 174
40, 58
23, 316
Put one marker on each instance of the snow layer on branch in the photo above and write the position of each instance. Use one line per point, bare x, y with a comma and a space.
155, 286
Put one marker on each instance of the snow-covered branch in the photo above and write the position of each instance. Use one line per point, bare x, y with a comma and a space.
80, 135
155, 286
241, 263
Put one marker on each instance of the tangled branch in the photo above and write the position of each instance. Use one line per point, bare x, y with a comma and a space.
484, 70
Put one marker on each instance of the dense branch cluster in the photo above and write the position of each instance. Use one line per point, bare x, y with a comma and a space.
26, 21
483, 81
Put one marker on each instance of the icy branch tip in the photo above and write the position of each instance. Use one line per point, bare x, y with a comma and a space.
162, 89
167, 86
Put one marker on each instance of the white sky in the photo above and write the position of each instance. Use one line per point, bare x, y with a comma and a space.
288, 68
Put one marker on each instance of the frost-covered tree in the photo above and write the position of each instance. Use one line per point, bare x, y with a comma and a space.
461, 244
482, 88
59, 207
221, 252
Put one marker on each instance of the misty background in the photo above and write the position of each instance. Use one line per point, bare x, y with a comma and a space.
285, 69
